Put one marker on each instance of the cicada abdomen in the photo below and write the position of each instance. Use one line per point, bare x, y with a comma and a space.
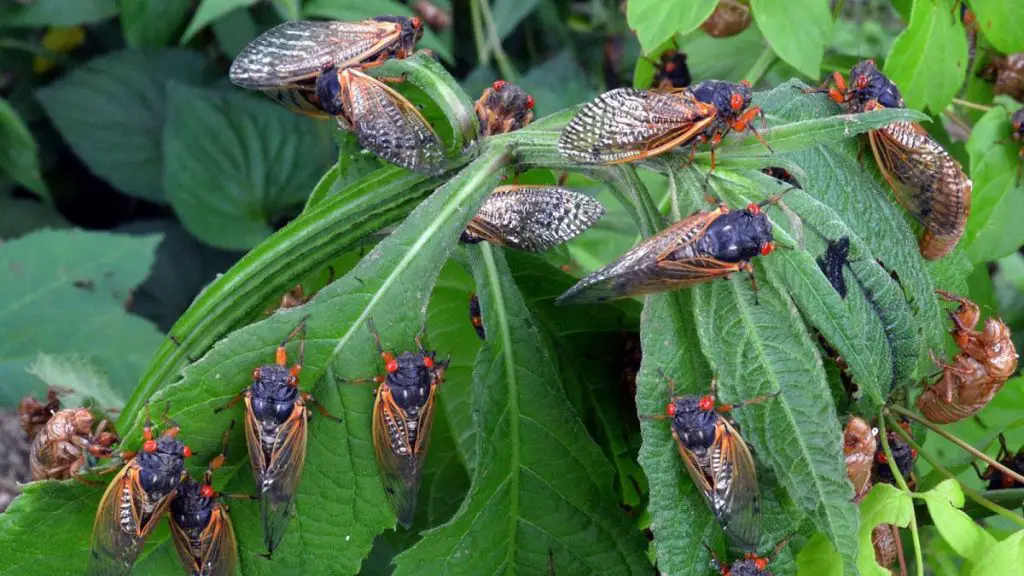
987, 359
383, 121
885, 541
135, 501
697, 249
503, 108
285, 61
532, 218
903, 454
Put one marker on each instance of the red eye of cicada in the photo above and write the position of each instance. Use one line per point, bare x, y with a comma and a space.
736, 102
707, 403
498, 85
529, 102
670, 409
149, 446
187, 452
767, 248
753, 209
206, 491
428, 361
417, 23
391, 365
861, 82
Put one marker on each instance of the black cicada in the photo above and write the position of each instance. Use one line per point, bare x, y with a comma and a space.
670, 70
782, 175
997, 479
136, 500
402, 414
902, 454
718, 461
532, 218
833, 261
475, 317
503, 108
286, 61
200, 526
276, 429
697, 249
926, 180
627, 125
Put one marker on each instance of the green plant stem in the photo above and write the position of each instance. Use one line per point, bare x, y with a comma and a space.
504, 64
483, 51
918, 559
838, 10
965, 446
970, 492
969, 104
761, 65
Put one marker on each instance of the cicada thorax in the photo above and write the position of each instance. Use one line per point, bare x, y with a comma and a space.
697, 249
902, 454
751, 564
859, 446
134, 502
476, 317
503, 108
285, 61
671, 71
729, 19
532, 218
987, 359
926, 180
67, 442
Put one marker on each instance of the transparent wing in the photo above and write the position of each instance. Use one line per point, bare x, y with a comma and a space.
296, 52
534, 218
118, 538
398, 460
735, 493
282, 471
389, 125
623, 125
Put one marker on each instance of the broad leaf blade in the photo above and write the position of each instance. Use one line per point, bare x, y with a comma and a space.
928, 60
540, 484
19, 154
797, 31
657, 20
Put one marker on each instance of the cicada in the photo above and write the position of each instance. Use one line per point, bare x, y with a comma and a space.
718, 461
1017, 121
670, 70
383, 121
1007, 72
200, 525
475, 316
987, 359
286, 61
750, 565
902, 454
403, 412
135, 501
926, 180
782, 175
885, 539
859, 446
34, 415
627, 125
65, 444
700, 248
729, 19
997, 479
276, 429
833, 261
532, 218
503, 108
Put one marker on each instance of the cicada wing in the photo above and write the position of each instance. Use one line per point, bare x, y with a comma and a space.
693, 468
534, 218
299, 100
389, 125
278, 469
295, 52
398, 459
121, 527
644, 270
624, 125
925, 179
736, 495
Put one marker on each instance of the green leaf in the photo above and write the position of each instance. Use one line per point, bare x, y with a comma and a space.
534, 457
959, 530
884, 504
992, 231
148, 24
208, 12
79, 375
19, 216
819, 558
340, 499
54, 276
1000, 22
797, 31
42, 13
111, 112
1006, 557
235, 164
928, 60
19, 155
655, 21
557, 83
509, 13
234, 31
354, 10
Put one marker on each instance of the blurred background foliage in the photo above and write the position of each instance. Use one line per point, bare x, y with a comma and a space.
132, 172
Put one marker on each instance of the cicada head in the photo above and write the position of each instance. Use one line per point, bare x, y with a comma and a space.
274, 391
328, 91
161, 463
193, 505
694, 420
410, 376
729, 98
412, 32
750, 566
867, 83
738, 236
902, 454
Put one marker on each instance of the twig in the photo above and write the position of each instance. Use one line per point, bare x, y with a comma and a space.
969, 104
902, 483
965, 446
